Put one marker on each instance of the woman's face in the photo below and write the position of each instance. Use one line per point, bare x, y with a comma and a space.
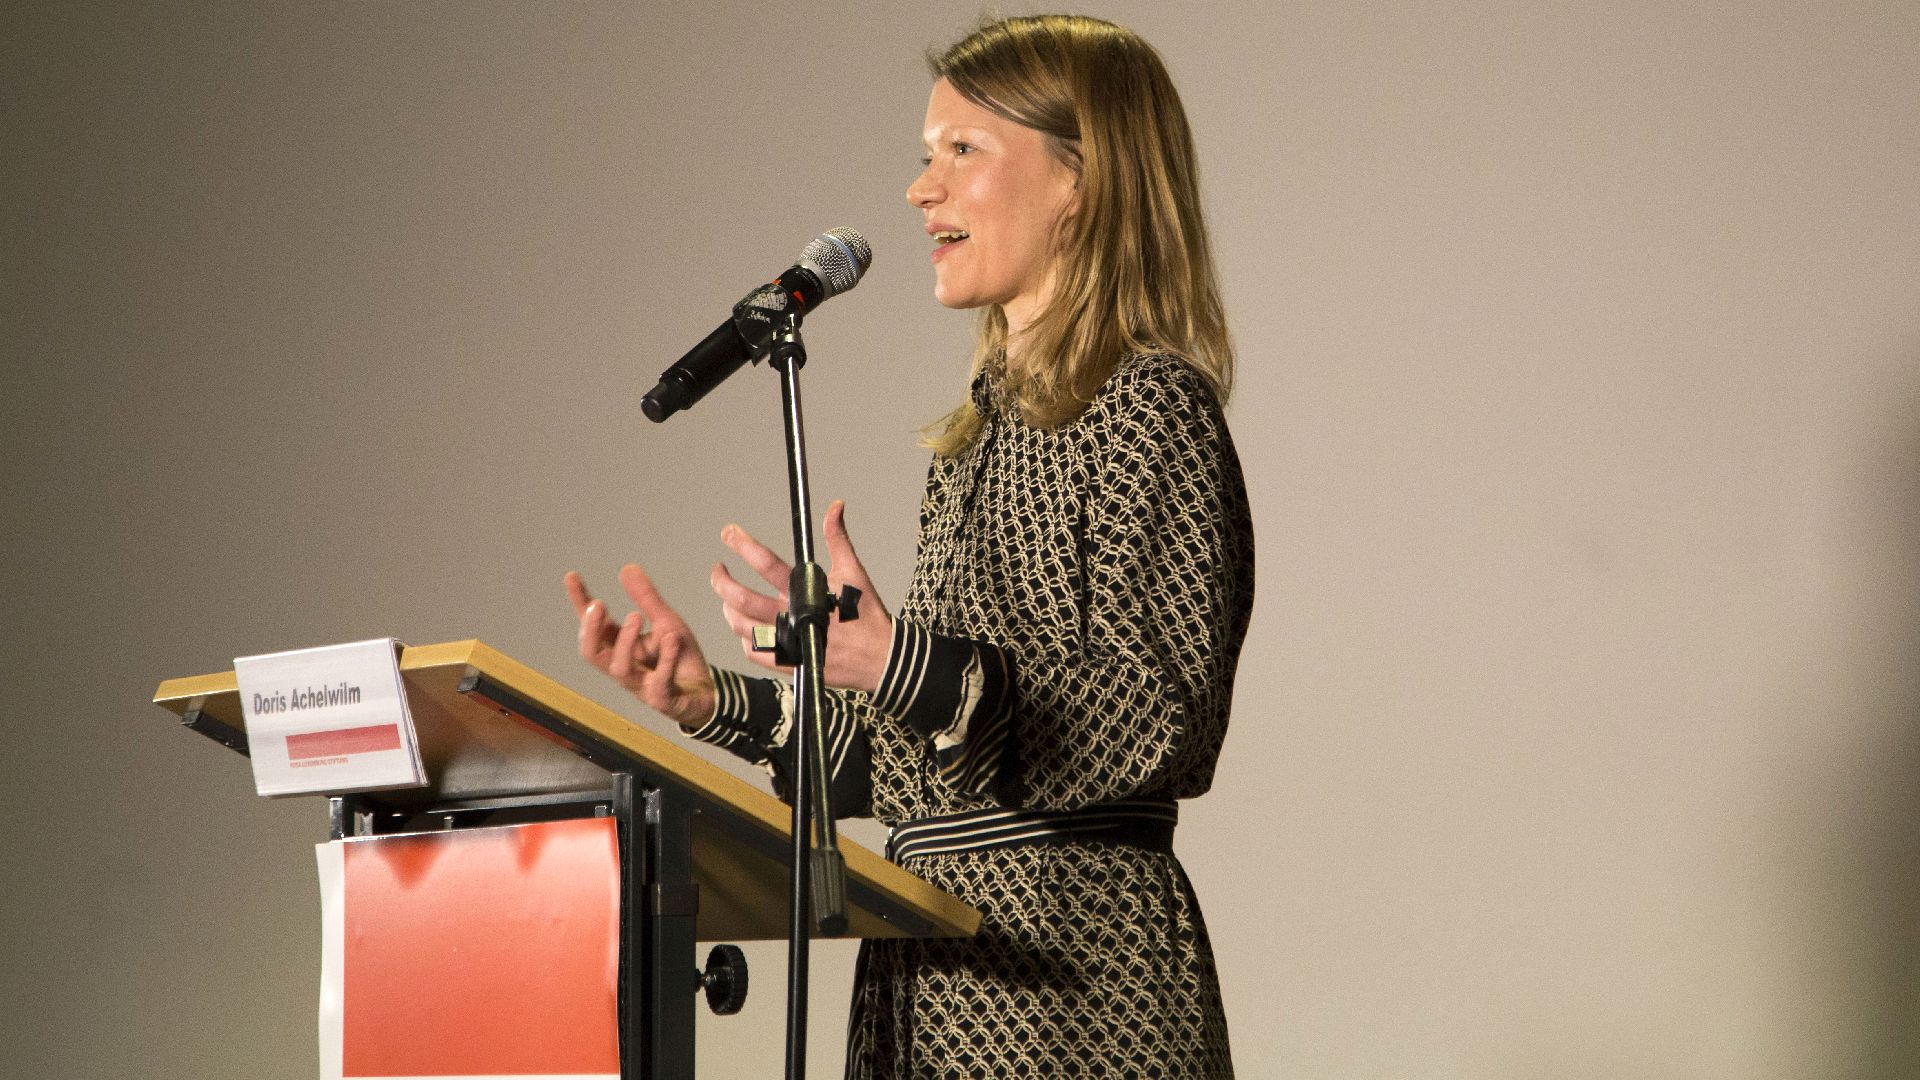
992, 194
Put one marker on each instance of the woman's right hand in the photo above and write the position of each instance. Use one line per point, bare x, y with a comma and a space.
650, 652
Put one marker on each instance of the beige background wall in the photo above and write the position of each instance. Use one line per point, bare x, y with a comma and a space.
1577, 730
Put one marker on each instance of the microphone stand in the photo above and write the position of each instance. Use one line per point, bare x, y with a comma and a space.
819, 873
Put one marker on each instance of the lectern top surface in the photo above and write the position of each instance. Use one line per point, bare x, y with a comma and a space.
491, 727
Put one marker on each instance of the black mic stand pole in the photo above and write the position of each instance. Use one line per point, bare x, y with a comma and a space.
819, 873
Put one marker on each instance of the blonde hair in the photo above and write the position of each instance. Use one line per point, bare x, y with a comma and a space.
1134, 269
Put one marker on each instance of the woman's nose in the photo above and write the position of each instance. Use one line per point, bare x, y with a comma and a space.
925, 190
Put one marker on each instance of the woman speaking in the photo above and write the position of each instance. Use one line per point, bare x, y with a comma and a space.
1060, 670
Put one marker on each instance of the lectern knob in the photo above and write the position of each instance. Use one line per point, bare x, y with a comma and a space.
725, 980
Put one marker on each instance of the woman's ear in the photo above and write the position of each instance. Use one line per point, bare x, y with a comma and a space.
1070, 208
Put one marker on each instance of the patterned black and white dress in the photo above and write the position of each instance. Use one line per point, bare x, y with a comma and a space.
1060, 674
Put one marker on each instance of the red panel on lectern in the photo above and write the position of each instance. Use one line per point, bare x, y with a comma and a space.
483, 952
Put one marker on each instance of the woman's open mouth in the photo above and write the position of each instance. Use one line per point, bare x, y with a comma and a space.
944, 242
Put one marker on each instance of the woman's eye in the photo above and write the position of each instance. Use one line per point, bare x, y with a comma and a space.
959, 149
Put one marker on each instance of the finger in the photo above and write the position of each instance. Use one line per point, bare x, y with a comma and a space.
757, 606
846, 562
646, 649
759, 558
620, 664
664, 661
740, 622
640, 587
593, 632
577, 592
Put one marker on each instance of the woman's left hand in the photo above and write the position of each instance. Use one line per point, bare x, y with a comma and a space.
856, 650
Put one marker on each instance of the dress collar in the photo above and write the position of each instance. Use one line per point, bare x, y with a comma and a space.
989, 391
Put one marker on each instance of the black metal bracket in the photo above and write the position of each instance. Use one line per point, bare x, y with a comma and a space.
667, 934
682, 899
233, 738
780, 640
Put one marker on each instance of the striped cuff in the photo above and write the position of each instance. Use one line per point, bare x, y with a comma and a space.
956, 693
749, 718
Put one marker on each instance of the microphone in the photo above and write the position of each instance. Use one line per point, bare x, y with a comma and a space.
831, 264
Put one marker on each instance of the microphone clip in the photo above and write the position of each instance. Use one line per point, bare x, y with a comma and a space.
784, 346
770, 318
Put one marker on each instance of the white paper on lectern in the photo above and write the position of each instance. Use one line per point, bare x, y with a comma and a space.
333, 953
329, 719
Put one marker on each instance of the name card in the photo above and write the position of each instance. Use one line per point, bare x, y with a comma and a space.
329, 720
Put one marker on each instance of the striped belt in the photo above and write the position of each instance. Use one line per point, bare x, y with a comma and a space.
1146, 822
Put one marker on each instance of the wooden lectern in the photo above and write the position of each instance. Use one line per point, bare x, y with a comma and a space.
702, 853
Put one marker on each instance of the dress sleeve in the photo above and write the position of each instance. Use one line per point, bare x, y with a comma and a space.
753, 718
1141, 698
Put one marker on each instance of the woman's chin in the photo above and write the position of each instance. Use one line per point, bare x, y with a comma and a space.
955, 299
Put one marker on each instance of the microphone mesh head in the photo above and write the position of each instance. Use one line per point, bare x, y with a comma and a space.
837, 258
